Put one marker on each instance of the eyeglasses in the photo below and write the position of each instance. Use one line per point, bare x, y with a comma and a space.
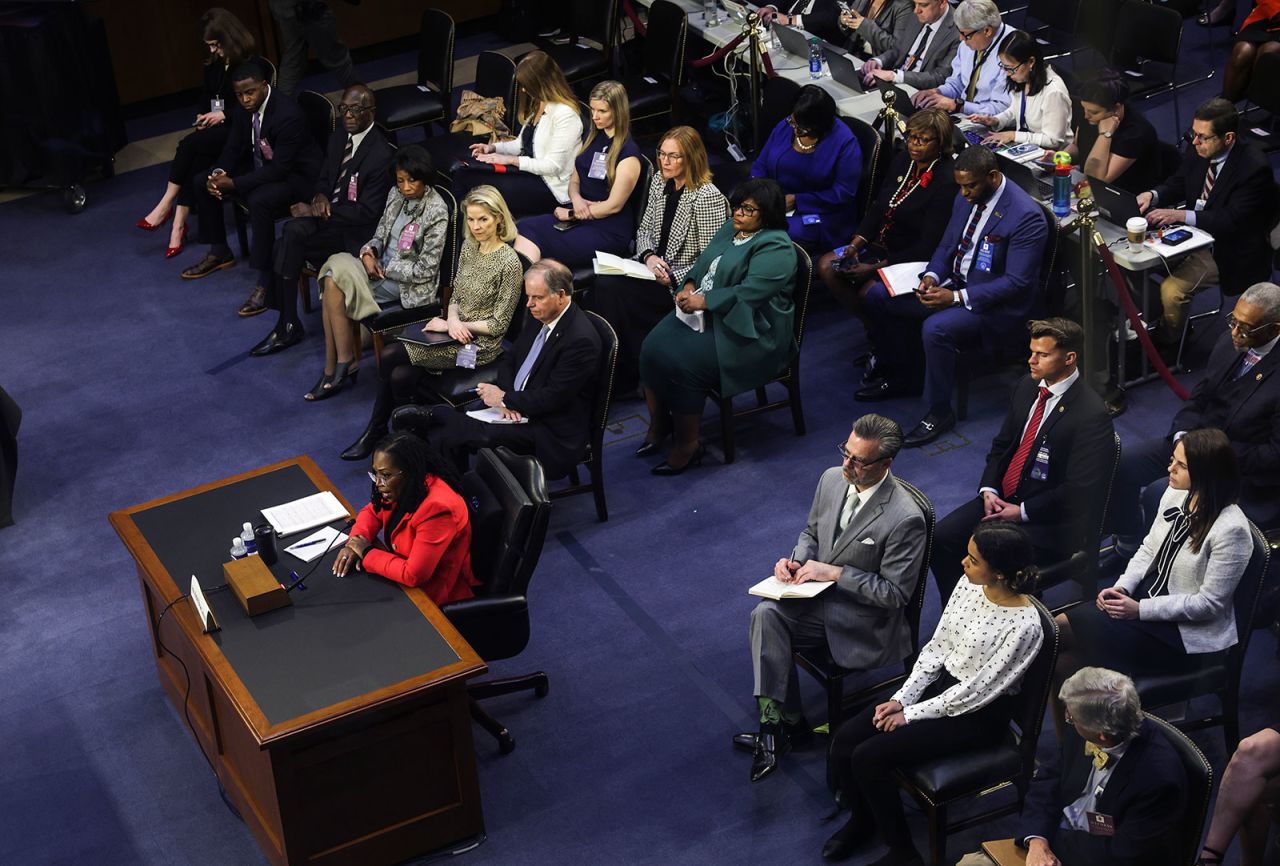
663, 156
912, 138
746, 210
1246, 331
1011, 68
381, 478
1197, 138
802, 131
856, 461
966, 35
353, 110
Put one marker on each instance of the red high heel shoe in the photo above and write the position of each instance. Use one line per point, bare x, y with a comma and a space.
148, 227
170, 252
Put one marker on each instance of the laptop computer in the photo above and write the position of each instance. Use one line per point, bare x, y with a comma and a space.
845, 70
796, 42
1025, 178
1116, 205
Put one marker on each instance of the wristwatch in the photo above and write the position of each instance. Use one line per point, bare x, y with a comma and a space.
1108, 134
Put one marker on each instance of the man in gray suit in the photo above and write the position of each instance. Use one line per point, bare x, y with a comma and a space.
924, 61
867, 536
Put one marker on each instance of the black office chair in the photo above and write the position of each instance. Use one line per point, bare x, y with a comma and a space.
321, 119
1190, 824
1058, 20
593, 459
654, 89
581, 63
1264, 93
938, 784
788, 378
777, 99
1082, 566
495, 79
875, 162
1149, 33
507, 499
427, 100
831, 676
1223, 678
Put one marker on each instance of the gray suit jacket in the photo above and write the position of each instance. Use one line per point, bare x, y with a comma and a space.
880, 551
937, 62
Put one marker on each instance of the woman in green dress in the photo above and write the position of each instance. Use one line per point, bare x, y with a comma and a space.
731, 330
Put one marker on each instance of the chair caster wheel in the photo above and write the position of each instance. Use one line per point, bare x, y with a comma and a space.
506, 743
541, 689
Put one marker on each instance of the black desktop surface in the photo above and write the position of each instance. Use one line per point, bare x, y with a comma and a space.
341, 638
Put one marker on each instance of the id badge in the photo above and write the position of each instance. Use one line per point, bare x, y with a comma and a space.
599, 166
466, 357
351, 187
986, 251
1200, 204
1100, 824
216, 104
1040, 469
811, 219
406, 237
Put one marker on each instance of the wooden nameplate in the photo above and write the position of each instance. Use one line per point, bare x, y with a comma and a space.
255, 586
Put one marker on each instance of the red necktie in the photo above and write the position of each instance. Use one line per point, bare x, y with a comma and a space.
1009, 484
1209, 177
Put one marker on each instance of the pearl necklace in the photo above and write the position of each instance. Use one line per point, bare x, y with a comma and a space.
898, 195
739, 240
802, 147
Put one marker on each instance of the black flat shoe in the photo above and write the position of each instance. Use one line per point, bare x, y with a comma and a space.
363, 447
929, 429
279, 339
666, 469
846, 840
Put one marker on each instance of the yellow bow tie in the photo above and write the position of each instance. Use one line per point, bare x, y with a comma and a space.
1100, 757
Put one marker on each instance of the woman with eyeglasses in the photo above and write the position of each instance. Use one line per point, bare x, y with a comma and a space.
416, 529
817, 162
683, 213
732, 329
1115, 144
228, 43
1039, 109
1172, 610
908, 217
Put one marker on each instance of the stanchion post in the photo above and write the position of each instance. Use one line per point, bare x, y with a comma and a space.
754, 49
890, 119
1090, 240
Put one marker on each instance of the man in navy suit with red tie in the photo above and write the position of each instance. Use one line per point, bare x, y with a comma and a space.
980, 288
1048, 466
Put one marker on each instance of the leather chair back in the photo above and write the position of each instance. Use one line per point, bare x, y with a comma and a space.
1190, 824
506, 495
777, 98
915, 607
1170, 158
1248, 591
800, 295
496, 77
435, 52
875, 160
1032, 697
639, 199
662, 55
320, 117
452, 238
1147, 31
604, 377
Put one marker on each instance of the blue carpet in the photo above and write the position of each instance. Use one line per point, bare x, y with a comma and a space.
641, 623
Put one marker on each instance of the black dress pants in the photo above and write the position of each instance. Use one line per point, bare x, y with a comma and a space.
266, 204
193, 160
632, 307
302, 240
525, 194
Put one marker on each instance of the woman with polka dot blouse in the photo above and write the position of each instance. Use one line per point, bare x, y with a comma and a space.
956, 696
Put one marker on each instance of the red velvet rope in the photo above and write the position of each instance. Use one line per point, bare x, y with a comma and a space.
719, 53
641, 30
1130, 310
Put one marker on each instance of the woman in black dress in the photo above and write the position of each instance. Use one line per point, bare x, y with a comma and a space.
229, 42
1115, 144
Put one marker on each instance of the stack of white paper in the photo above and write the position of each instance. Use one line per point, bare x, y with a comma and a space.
305, 513
317, 544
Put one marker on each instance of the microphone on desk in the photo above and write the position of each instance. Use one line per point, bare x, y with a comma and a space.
297, 581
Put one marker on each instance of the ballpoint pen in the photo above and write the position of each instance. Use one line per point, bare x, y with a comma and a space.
309, 543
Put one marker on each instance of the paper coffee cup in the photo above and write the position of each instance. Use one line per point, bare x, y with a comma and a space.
1136, 229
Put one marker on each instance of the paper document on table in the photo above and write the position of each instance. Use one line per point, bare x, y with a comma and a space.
773, 588
316, 544
493, 415
305, 513
1199, 238
902, 279
605, 263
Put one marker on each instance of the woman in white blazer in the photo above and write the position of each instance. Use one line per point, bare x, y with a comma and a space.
1039, 109
532, 170
1172, 609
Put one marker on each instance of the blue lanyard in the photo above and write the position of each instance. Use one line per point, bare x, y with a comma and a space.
1022, 114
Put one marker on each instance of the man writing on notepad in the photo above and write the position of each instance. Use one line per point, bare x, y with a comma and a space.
866, 537
1115, 796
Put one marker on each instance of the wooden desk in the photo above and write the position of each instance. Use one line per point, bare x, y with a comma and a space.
339, 726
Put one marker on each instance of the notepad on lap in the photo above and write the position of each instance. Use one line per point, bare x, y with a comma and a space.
492, 415
305, 513
773, 588
1005, 852
608, 264
902, 279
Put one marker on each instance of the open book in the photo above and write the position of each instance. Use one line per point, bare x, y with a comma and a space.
773, 588
606, 263
902, 279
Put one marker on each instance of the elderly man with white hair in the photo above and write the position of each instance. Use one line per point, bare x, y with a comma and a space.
1117, 793
977, 83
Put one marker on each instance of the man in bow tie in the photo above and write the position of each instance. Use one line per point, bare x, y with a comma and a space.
1115, 796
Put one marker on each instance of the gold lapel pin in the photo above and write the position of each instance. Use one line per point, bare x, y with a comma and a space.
1258, 377
1062, 408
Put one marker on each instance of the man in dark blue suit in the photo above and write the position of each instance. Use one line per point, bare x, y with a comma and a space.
980, 288
1117, 793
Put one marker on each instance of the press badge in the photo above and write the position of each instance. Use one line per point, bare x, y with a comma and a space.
216, 105
1200, 203
986, 251
466, 357
407, 235
351, 187
599, 165
1100, 824
1040, 469
811, 219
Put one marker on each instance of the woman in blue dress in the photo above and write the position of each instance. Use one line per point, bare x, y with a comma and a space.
605, 173
817, 162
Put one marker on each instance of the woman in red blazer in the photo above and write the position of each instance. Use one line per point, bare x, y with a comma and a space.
424, 525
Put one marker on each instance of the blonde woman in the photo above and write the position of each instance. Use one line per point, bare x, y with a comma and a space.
604, 175
532, 170
488, 287
684, 212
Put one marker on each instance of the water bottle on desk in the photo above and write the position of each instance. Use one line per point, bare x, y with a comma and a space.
711, 13
815, 59
1061, 184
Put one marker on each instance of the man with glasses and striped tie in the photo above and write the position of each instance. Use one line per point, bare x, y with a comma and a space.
1240, 395
977, 83
1225, 187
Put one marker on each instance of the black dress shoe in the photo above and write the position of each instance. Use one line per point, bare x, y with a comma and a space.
929, 429
846, 840
648, 448
413, 419
363, 447
771, 744
800, 734
665, 468
279, 339
883, 389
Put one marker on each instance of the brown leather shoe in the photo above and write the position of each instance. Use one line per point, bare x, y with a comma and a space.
257, 303
208, 265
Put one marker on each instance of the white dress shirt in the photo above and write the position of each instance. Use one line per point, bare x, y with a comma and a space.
922, 51
862, 497
1047, 117
966, 262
